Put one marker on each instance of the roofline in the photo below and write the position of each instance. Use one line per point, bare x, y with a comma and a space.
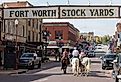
18, 2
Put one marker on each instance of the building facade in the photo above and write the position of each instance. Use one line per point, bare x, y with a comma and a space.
61, 31
20, 37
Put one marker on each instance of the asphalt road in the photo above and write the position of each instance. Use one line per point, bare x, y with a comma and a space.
54, 74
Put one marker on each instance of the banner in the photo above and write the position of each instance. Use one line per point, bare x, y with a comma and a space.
63, 12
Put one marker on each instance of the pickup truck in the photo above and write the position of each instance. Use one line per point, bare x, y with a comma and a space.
29, 60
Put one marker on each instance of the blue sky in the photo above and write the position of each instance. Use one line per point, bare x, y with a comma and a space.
99, 26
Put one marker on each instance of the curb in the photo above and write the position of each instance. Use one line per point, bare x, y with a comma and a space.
10, 72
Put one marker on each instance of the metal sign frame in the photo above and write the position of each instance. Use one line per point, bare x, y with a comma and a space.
63, 12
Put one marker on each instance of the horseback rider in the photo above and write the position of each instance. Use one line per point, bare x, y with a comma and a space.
75, 53
65, 59
81, 55
65, 55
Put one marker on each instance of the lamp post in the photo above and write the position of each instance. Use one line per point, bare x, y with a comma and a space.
46, 35
60, 44
16, 25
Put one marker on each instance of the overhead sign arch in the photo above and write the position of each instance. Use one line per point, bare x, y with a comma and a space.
63, 12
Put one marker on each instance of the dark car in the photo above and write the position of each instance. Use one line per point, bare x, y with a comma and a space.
107, 60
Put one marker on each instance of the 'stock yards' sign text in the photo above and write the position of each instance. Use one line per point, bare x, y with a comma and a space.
63, 12
82, 12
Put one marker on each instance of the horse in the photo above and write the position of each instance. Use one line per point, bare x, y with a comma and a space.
75, 66
86, 63
65, 63
81, 68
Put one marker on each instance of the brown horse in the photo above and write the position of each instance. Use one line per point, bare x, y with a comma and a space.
65, 63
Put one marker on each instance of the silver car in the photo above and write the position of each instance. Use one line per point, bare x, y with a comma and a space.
29, 60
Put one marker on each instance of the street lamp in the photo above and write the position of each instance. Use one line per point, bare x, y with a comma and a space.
46, 35
60, 44
16, 25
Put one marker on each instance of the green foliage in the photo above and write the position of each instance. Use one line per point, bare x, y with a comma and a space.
105, 39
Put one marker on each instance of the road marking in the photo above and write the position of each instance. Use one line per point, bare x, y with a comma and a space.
40, 80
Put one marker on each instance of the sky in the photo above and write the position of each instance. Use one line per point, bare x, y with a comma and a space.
100, 27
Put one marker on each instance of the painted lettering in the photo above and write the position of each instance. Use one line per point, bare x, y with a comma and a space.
11, 13
19, 13
44, 13
73, 12
102, 12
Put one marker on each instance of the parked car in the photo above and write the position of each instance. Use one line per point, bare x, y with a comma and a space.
91, 53
99, 50
29, 60
107, 60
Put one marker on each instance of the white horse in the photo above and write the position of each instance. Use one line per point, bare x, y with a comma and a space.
75, 66
87, 64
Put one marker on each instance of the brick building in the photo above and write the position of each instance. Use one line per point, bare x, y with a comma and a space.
61, 31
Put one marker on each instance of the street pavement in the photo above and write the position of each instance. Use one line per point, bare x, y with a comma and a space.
51, 72
47, 65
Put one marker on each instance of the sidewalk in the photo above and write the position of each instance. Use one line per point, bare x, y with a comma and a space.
11, 71
44, 66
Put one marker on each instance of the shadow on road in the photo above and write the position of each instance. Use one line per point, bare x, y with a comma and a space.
100, 74
45, 66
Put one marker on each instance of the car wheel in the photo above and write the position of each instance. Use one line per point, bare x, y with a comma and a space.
32, 66
39, 65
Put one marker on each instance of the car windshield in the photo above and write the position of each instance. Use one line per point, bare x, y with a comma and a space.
28, 55
110, 56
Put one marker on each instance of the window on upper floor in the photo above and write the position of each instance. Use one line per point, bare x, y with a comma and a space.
29, 22
33, 36
37, 24
37, 37
29, 34
59, 34
23, 31
33, 23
